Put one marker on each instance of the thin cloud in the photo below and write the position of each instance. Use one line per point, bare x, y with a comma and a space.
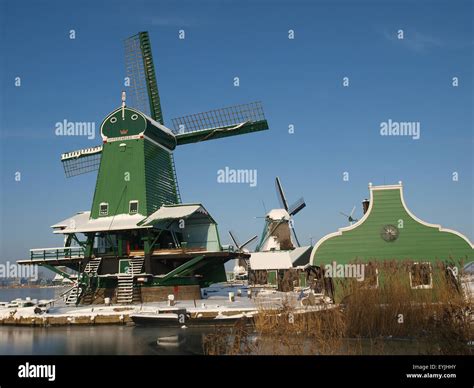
26, 134
171, 21
415, 41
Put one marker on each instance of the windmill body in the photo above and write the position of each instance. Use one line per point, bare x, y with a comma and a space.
278, 252
277, 233
139, 242
136, 171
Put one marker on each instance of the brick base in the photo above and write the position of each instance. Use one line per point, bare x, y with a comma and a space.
150, 294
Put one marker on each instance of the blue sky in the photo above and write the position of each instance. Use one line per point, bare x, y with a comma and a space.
299, 82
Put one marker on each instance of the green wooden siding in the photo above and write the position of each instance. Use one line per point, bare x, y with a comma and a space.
160, 178
415, 241
201, 235
140, 171
134, 123
121, 178
115, 126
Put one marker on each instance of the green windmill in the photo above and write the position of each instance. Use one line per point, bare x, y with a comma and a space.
137, 231
136, 160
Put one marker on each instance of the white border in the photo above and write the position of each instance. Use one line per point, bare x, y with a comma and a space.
129, 203
366, 215
422, 286
78, 153
105, 138
100, 211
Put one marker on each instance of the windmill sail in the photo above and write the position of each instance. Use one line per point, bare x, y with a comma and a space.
81, 161
144, 96
143, 89
215, 124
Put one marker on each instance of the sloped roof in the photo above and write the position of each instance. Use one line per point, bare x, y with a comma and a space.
276, 259
174, 212
81, 223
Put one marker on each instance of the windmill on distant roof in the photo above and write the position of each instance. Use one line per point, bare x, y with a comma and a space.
137, 172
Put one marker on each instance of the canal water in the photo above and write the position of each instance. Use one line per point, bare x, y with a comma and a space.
139, 340
99, 340
92, 340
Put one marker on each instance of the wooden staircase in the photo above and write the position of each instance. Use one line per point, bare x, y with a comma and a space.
93, 266
126, 292
91, 269
73, 296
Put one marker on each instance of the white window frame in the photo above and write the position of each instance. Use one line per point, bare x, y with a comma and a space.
422, 286
376, 285
101, 213
129, 206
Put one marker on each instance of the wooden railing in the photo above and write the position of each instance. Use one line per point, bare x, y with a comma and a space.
57, 253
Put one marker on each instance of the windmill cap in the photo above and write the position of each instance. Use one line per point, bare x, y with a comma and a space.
278, 214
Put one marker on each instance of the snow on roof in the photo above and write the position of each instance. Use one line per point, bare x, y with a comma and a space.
276, 259
81, 223
161, 126
278, 214
175, 212
270, 260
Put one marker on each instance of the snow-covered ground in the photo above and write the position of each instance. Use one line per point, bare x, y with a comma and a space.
215, 300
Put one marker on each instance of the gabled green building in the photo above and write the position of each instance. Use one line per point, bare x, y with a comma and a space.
389, 231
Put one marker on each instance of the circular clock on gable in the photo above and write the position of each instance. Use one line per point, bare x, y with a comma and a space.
389, 233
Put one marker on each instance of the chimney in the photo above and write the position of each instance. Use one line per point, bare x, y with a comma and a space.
365, 205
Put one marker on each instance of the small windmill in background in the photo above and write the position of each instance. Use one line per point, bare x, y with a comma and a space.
292, 210
241, 265
279, 226
350, 217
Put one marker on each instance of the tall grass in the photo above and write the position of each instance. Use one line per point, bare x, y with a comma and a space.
440, 315
369, 320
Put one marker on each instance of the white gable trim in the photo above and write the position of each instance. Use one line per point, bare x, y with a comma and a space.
366, 215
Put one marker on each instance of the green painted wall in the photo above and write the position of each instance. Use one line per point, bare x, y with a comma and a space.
121, 178
415, 241
116, 126
134, 123
200, 235
141, 171
160, 179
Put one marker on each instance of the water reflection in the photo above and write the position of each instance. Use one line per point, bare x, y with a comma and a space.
100, 340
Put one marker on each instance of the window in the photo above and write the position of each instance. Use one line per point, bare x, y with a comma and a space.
272, 278
104, 209
421, 276
371, 275
133, 207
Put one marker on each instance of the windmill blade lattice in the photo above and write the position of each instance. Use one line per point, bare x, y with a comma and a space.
143, 92
81, 161
219, 118
140, 70
297, 207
